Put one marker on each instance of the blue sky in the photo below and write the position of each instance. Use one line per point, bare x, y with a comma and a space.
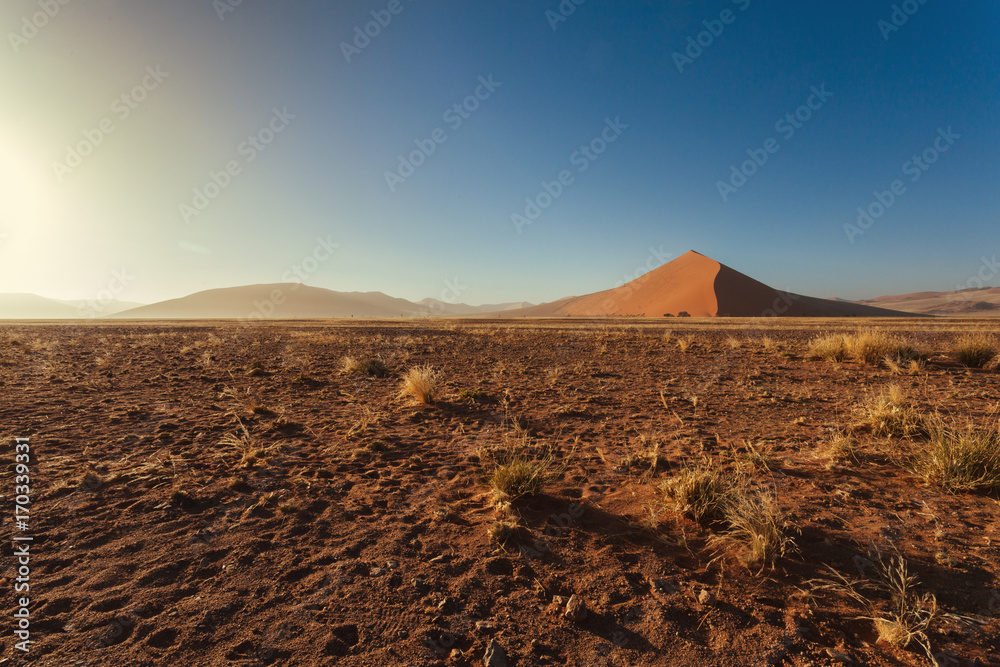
286, 123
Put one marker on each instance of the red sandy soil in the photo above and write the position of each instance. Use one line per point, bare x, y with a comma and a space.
701, 287
356, 532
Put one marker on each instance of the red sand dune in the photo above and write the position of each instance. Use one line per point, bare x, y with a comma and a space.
702, 287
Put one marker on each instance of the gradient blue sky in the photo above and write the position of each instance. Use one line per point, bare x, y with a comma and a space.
655, 186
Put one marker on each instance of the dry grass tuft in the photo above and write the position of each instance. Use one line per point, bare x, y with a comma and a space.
831, 348
697, 491
965, 458
502, 532
520, 477
420, 383
909, 614
889, 413
872, 346
975, 350
756, 525
370, 367
839, 450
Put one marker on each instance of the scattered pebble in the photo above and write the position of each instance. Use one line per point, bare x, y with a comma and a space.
495, 655
706, 597
576, 609
839, 656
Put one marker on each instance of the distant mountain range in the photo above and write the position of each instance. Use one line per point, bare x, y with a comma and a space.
34, 307
692, 284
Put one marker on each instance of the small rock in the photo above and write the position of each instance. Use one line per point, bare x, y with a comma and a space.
440, 559
392, 565
495, 656
377, 572
485, 626
840, 657
706, 597
576, 609
419, 583
559, 600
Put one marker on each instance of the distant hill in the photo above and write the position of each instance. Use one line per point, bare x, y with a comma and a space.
701, 287
34, 307
982, 302
296, 301
280, 301
438, 307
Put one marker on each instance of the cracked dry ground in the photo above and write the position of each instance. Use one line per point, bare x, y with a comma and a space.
210, 494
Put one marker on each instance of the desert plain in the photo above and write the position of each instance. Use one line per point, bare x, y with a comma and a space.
213, 493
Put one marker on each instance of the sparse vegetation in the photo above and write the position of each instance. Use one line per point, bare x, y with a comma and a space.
975, 350
831, 348
910, 613
888, 413
501, 531
519, 477
752, 522
474, 395
420, 383
870, 346
962, 458
370, 367
840, 449
756, 526
697, 491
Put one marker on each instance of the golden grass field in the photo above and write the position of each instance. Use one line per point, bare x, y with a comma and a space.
556, 492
